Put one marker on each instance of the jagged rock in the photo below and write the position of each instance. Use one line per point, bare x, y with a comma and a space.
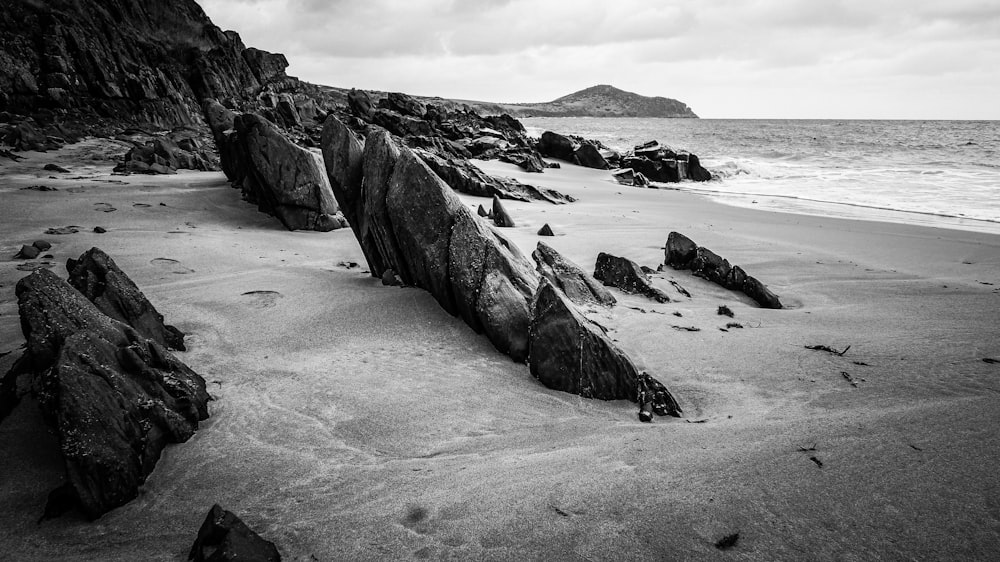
389, 278
500, 215
98, 278
412, 222
463, 177
640, 180
554, 145
402, 125
682, 253
481, 211
624, 176
113, 398
224, 537
266, 67
55, 168
589, 156
360, 104
574, 282
695, 170
626, 275
525, 158
546, 230
287, 112
403, 104
570, 353
283, 179
42, 245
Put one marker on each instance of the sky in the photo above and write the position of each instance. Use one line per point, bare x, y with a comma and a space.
796, 59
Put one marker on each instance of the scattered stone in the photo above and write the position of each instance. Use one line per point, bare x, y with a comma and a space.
55, 168
686, 328
828, 349
98, 278
573, 354
42, 245
725, 311
727, 542
99, 230
389, 278
500, 216
732, 325
569, 278
481, 211
554, 145
546, 230
39, 188
625, 176
224, 537
27, 253
626, 275
682, 253
680, 289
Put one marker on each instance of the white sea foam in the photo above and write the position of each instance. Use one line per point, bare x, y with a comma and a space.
944, 173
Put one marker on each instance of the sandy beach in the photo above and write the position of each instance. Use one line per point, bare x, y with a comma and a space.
355, 421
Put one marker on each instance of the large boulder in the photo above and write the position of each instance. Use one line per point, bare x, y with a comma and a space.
682, 253
360, 104
403, 104
554, 145
589, 156
626, 275
574, 282
283, 179
570, 353
113, 398
224, 537
98, 278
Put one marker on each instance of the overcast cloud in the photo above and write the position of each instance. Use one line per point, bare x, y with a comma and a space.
920, 59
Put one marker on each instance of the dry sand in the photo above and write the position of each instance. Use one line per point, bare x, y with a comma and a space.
354, 421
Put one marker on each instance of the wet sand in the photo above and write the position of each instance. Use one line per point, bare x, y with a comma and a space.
354, 421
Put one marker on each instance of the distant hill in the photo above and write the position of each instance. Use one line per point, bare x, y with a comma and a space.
596, 101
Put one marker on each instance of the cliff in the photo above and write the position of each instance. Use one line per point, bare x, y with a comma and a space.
105, 63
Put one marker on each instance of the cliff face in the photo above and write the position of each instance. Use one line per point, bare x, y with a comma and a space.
602, 101
122, 61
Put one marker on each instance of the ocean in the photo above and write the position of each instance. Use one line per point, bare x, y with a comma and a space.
935, 173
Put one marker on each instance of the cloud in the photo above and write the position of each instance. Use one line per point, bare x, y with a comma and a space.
529, 50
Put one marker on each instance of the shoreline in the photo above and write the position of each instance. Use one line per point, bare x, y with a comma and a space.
358, 421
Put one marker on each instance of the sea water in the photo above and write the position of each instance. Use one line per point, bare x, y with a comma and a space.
937, 173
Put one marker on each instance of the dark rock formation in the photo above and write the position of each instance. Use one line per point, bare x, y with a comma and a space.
572, 354
569, 278
99, 279
113, 398
589, 156
663, 164
554, 145
500, 215
682, 253
546, 230
526, 159
284, 180
224, 537
360, 103
626, 275
101, 64
179, 149
464, 177
409, 221
403, 104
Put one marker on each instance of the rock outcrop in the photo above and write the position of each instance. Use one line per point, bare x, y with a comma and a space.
659, 163
409, 222
463, 177
165, 154
626, 275
579, 286
682, 253
113, 398
98, 278
224, 537
98, 65
283, 179
572, 354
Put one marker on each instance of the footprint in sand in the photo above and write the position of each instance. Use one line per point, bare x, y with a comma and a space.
261, 299
104, 207
173, 266
63, 230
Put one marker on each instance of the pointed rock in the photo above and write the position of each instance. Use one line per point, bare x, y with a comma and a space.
98, 278
224, 537
680, 252
500, 216
481, 211
569, 278
572, 354
546, 230
626, 275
